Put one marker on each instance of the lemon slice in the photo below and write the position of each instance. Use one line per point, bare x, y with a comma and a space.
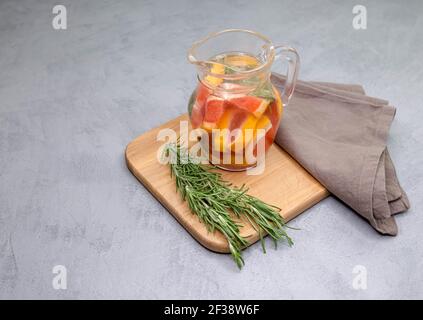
216, 68
279, 104
241, 61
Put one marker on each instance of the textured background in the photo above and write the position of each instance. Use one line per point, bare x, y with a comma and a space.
71, 100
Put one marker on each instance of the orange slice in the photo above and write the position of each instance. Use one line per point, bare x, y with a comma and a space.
246, 134
264, 123
220, 142
263, 128
255, 105
234, 134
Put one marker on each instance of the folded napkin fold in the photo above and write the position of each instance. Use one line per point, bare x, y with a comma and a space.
339, 134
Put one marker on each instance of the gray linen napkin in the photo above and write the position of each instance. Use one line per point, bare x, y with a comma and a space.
339, 134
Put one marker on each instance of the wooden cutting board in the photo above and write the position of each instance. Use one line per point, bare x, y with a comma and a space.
283, 183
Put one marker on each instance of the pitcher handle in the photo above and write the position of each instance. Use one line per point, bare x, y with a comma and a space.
293, 59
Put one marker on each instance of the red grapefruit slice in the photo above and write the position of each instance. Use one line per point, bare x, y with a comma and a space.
202, 94
255, 105
214, 110
197, 115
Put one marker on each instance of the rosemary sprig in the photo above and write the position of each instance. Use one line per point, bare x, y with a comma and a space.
213, 200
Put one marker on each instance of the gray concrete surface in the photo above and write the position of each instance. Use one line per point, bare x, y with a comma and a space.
71, 100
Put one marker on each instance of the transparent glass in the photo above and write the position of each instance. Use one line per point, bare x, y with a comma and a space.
235, 102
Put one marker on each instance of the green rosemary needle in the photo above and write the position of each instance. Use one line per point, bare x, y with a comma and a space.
213, 200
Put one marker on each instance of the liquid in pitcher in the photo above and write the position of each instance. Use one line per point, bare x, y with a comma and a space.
239, 114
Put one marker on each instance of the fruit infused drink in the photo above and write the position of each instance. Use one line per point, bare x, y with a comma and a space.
235, 108
238, 114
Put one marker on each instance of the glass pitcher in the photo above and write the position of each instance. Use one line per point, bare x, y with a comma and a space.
235, 102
